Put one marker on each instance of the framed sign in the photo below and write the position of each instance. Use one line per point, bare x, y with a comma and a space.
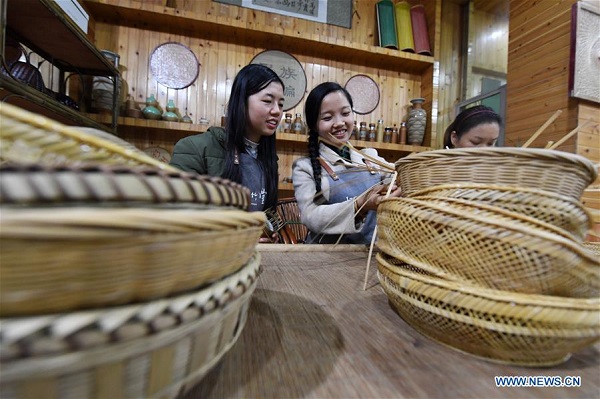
585, 52
289, 69
333, 12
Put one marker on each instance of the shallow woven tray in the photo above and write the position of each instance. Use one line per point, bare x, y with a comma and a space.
152, 350
59, 259
117, 185
26, 137
554, 171
501, 326
486, 248
559, 210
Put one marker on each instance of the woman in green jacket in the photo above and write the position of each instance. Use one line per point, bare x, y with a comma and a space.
244, 151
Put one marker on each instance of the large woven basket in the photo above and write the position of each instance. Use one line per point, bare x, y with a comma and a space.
103, 185
555, 171
453, 241
26, 137
152, 350
501, 326
58, 259
559, 210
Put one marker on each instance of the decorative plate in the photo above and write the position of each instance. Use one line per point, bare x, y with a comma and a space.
289, 70
174, 65
364, 92
159, 153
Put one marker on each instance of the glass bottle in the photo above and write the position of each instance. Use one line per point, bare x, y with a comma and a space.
402, 139
362, 131
354, 134
372, 132
380, 131
395, 134
387, 135
287, 123
298, 125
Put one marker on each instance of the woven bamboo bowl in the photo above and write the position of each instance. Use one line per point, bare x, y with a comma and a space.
487, 248
156, 349
555, 209
554, 171
26, 137
499, 326
60, 259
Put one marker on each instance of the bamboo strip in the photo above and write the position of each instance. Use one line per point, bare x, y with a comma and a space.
542, 128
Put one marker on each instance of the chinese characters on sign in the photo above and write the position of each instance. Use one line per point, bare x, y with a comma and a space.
289, 70
304, 7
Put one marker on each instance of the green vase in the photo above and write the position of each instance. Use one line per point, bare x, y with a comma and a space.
171, 114
151, 110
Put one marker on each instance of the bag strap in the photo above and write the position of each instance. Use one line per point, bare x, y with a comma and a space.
328, 169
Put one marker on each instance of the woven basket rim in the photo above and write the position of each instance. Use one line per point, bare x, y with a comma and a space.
207, 299
498, 152
553, 237
35, 183
507, 298
36, 121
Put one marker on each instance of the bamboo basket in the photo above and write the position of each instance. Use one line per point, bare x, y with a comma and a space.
151, 350
26, 137
499, 326
554, 171
60, 259
559, 210
103, 185
455, 242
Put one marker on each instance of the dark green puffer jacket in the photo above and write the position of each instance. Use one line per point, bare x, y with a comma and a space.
201, 153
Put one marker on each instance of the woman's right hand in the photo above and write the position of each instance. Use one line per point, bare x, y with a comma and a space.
370, 200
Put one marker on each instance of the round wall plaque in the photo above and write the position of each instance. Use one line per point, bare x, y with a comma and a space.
174, 65
289, 69
364, 92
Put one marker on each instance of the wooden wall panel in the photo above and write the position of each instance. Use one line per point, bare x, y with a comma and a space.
538, 84
538, 67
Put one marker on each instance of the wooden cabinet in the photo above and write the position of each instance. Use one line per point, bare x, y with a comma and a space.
43, 27
225, 38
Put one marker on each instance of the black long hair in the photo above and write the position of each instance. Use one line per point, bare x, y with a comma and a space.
250, 80
468, 119
312, 108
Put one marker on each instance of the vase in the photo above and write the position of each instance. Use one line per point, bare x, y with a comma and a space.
151, 110
171, 112
416, 121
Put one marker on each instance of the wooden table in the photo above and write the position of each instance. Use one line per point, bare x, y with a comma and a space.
312, 332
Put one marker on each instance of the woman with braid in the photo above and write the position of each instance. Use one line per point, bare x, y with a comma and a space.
337, 190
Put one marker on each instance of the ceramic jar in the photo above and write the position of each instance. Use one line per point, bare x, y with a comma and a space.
416, 122
151, 110
171, 112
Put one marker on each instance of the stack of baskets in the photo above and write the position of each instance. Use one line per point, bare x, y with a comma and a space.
120, 276
485, 252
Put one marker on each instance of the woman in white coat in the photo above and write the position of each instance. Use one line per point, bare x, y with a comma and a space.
337, 189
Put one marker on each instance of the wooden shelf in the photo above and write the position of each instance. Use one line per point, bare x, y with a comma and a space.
21, 95
143, 125
399, 148
44, 27
166, 19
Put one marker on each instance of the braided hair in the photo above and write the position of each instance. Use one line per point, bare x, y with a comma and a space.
312, 109
468, 119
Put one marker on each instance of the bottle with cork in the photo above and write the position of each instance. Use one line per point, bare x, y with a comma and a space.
395, 134
402, 138
362, 131
287, 123
372, 135
380, 131
298, 125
